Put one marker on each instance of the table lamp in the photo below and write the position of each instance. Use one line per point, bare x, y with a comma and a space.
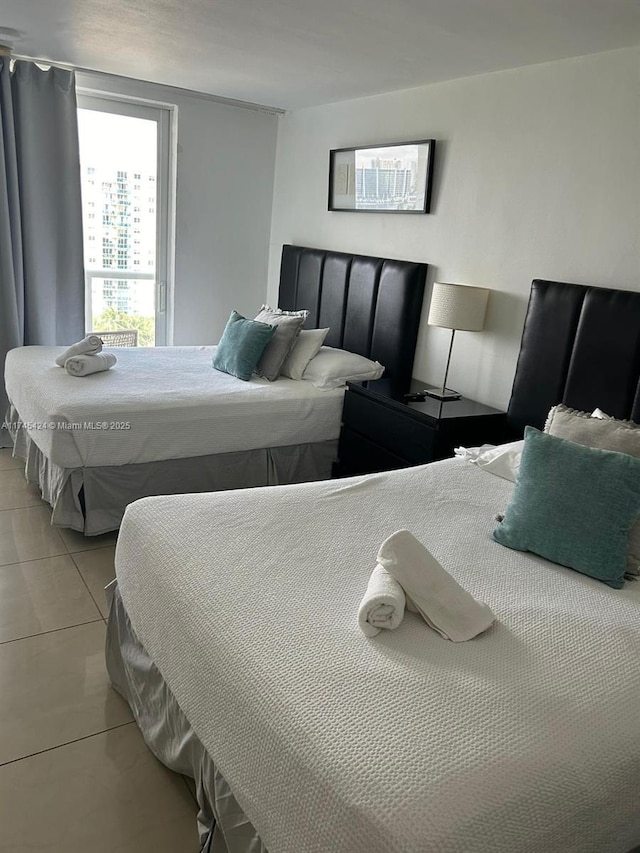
461, 308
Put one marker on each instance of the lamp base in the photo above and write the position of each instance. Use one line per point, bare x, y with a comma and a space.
444, 396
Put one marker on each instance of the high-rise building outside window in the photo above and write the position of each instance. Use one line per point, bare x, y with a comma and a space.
123, 149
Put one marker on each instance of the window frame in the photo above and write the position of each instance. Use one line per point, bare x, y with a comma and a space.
165, 116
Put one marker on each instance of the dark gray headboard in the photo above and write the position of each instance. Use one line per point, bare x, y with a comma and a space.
580, 346
371, 305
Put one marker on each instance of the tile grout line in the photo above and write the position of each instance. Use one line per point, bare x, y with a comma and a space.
35, 560
52, 631
92, 550
85, 583
26, 506
63, 545
67, 743
41, 505
65, 553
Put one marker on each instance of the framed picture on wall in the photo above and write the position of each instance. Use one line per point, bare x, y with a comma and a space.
392, 178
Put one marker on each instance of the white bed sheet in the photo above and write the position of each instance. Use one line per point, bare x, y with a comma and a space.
522, 740
161, 403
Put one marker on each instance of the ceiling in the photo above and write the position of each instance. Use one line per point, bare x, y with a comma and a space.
298, 53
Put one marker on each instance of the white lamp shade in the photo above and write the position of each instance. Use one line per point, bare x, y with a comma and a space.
458, 306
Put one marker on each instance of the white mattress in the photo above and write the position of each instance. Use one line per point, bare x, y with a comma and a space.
173, 401
523, 740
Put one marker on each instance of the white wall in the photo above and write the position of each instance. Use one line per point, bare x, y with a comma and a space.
225, 165
537, 176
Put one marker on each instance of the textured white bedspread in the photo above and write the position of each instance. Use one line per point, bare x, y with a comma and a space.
160, 403
523, 740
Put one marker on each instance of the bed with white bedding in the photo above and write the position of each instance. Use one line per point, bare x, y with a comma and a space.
123, 416
163, 421
238, 648
524, 739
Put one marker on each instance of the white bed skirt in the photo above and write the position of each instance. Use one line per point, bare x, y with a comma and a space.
93, 500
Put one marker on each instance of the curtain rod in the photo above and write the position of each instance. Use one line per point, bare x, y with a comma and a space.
177, 90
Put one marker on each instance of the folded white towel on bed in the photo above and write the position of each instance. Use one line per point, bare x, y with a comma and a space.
83, 365
431, 591
383, 604
90, 345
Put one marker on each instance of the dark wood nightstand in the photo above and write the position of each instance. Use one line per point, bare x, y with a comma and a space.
381, 430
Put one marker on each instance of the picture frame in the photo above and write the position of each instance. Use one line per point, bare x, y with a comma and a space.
395, 177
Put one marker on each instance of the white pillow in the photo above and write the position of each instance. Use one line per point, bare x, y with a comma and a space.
503, 460
333, 367
306, 347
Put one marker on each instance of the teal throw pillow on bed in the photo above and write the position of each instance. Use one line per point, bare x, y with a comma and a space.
573, 505
241, 345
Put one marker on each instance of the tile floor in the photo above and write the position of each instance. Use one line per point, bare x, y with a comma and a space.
75, 774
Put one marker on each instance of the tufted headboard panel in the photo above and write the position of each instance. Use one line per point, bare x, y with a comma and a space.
580, 346
371, 305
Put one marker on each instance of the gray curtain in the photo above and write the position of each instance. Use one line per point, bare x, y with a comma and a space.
41, 260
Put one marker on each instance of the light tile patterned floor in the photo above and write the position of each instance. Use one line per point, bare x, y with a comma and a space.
75, 774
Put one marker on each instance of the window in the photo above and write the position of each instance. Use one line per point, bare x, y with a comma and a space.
124, 146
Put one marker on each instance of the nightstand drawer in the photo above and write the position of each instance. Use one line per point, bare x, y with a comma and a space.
357, 455
389, 429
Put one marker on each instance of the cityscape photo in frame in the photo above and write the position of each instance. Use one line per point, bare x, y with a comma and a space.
393, 178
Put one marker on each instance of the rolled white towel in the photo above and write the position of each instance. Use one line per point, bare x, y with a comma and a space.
90, 345
431, 591
383, 604
83, 365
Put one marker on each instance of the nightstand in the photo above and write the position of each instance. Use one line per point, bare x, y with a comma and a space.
381, 430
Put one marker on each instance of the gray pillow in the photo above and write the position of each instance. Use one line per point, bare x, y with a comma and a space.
287, 328
605, 434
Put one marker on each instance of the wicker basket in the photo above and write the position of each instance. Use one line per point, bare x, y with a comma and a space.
121, 338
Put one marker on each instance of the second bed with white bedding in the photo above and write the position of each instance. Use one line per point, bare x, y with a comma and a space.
160, 403
523, 739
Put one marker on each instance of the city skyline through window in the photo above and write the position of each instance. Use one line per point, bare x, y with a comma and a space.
118, 159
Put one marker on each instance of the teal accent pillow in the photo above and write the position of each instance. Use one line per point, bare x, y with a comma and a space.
241, 346
573, 505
